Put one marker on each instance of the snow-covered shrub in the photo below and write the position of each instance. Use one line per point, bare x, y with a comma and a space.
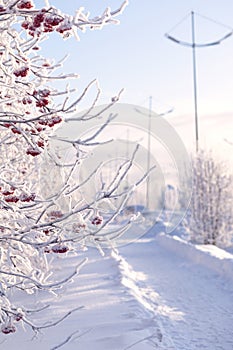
210, 218
32, 222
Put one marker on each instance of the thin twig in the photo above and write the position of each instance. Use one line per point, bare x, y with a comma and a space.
69, 338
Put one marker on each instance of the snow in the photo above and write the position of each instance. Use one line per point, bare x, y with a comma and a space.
158, 292
194, 302
208, 256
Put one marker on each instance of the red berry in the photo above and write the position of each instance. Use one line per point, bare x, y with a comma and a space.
26, 100
21, 72
97, 220
48, 28
43, 122
24, 4
40, 144
33, 151
32, 196
44, 92
7, 125
56, 214
46, 64
18, 317
63, 28
16, 131
25, 24
42, 102
11, 199
27, 198
56, 119
38, 19
60, 249
50, 123
8, 329
53, 20
7, 193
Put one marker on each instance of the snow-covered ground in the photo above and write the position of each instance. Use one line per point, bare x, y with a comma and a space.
158, 292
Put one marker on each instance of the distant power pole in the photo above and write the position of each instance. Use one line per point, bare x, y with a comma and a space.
149, 131
148, 154
194, 45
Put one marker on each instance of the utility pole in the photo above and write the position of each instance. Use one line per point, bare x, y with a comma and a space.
193, 44
148, 154
195, 81
149, 115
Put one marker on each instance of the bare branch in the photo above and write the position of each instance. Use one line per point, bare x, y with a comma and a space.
67, 340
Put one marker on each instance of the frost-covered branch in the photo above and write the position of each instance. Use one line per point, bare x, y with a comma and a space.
40, 215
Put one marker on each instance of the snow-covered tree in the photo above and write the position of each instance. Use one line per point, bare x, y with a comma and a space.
33, 223
210, 218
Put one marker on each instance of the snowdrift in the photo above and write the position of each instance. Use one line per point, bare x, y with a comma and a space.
209, 256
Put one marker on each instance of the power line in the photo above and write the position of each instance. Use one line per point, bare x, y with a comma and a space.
193, 44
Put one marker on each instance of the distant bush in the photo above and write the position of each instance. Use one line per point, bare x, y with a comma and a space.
210, 218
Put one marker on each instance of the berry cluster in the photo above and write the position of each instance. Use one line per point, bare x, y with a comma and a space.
50, 121
16, 131
27, 198
58, 249
33, 151
47, 231
8, 329
40, 143
39, 127
26, 101
21, 72
41, 97
78, 227
55, 214
45, 22
11, 199
24, 5
10, 196
97, 220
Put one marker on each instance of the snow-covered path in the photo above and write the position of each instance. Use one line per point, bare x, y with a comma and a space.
193, 303
158, 292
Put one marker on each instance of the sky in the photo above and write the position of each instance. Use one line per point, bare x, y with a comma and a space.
137, 56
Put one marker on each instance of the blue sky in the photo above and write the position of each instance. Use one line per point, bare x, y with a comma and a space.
135, 55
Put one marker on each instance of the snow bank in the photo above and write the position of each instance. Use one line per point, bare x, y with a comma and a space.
212, 257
